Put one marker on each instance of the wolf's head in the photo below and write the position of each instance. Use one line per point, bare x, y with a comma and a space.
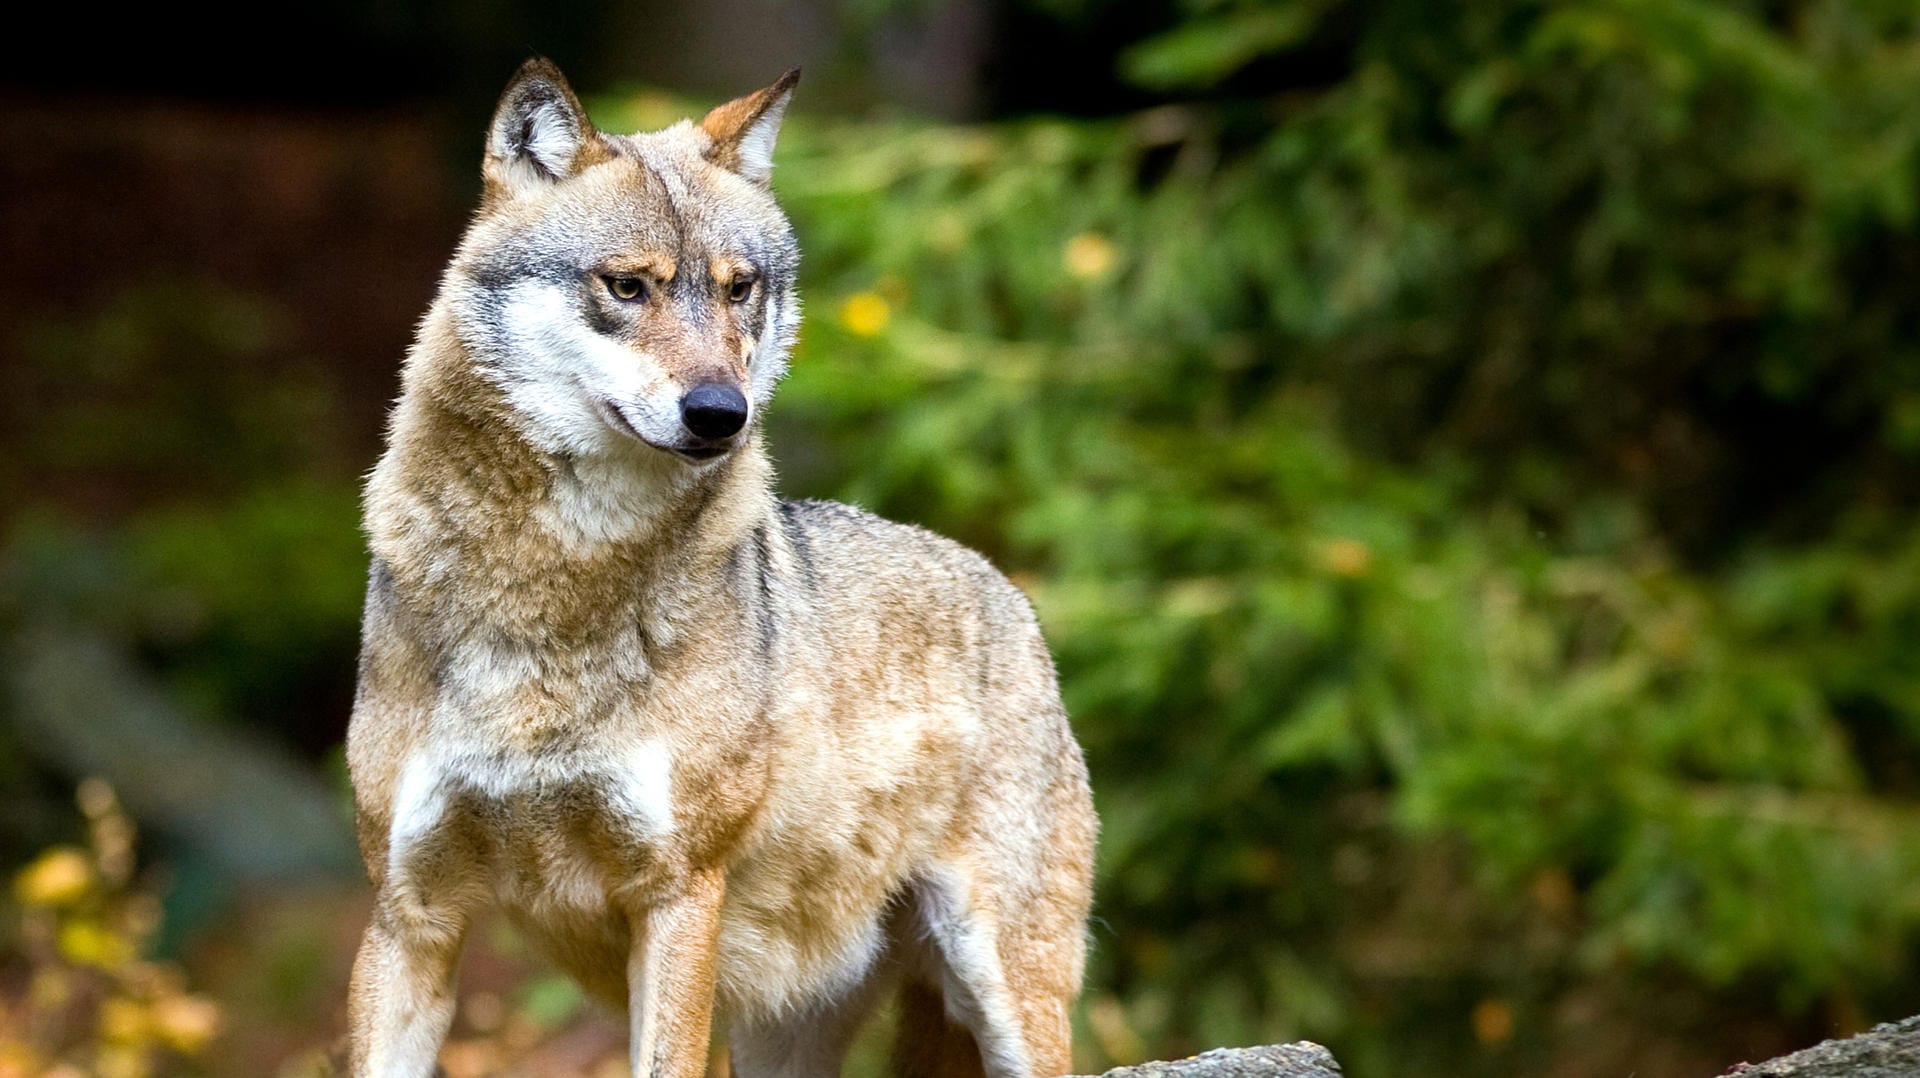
628, 289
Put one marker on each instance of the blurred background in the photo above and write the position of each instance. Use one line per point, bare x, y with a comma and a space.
1466, 457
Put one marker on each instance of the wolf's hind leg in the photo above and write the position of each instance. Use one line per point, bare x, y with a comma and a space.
1006, 978
1042, 950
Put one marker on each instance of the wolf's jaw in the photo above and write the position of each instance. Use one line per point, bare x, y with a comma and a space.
616, 417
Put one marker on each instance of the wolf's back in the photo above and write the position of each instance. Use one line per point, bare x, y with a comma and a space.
860, 565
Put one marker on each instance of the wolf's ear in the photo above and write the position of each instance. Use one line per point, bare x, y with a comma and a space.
539, 130
743, 129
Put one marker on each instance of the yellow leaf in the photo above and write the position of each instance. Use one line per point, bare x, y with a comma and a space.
89, 943
59, 877
1350, 558
122, 1062
1088, 255
124, 1021
1492, 1022
186, 1023
865, 314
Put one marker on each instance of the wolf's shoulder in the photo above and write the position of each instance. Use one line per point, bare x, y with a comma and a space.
833, 538
812, 522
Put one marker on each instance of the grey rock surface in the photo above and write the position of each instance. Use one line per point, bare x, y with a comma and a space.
1303, 1059
1891, 1050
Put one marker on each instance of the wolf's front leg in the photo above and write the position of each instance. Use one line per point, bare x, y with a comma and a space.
670, 979
402, 997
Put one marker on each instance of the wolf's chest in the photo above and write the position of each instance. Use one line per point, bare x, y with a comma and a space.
540, 830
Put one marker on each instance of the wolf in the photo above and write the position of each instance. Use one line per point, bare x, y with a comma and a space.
712, 751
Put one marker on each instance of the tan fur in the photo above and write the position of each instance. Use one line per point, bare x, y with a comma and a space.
704, 747
726, 125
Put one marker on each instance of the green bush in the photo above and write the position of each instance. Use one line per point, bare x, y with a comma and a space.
1465, 457
1487, 473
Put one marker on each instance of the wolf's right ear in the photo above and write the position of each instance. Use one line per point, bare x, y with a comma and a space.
540, 134
742, 130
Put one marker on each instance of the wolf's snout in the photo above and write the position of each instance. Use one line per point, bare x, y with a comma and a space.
714, 411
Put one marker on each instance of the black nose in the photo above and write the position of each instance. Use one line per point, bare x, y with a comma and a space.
714, 411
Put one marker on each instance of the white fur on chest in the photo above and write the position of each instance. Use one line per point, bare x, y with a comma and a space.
633, 782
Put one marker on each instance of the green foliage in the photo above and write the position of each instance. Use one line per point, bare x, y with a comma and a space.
1508, 443
164, 387
1464, 456
1200, 53
247, 593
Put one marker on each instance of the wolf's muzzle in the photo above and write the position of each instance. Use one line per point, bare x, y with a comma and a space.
714, 411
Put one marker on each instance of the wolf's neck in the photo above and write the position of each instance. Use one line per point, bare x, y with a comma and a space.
497, 535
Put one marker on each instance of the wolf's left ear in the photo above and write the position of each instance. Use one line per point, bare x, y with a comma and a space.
743, 129
539, 130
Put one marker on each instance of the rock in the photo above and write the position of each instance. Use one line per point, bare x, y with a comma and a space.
1891, 1050
1303, 1059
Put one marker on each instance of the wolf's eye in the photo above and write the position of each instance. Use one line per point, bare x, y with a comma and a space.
626, 289
741, 288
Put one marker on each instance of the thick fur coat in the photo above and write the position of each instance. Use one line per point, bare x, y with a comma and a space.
712, 751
